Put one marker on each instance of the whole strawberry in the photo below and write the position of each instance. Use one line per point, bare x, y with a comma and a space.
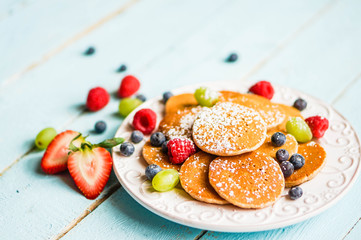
97, 98
129, 86
179, 149
90, 165
318, 125
263, 88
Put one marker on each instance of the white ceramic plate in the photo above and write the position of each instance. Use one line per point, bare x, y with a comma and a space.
330, 185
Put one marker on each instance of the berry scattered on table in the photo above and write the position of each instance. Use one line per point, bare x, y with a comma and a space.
90, 166
299, 129
278, 139
232, 57
44, 137
166, 96
127, 149
144, 120
179, 149
282, 155
297, 160
136, 136
165, 180
129, 86
56, 155
300, 104
127, 105
97, 99
318, 125
100, 127
157, 139
295, 192
152, 170
287, 168
122, 68
141, 97
165, 147
89, 51
206, 96
263, 88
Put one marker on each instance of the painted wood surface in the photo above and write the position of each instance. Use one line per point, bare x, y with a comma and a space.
310, 45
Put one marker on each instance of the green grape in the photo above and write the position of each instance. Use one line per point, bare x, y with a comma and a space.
206, 97
127, 105
44, 137
165, 180
299, 129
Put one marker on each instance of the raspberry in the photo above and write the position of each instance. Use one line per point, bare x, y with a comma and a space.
144, 120
179, 149
128, 86
97, 99
263, 88
318, 125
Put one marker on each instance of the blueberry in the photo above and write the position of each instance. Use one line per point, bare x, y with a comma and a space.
127, 149
297, 160
295, 193
278, 139
89, 51
152, 170
141, 97
157, 139
165, 147
137, 136
287, 168
166, 96
282, 155
122, 68
100, 127
232, 57
300, 104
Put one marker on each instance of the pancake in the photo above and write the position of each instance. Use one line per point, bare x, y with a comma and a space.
228, 129
315, 159
289, 112
251, 180
180, 102
269, 149
194, 178
272, 113
155, 155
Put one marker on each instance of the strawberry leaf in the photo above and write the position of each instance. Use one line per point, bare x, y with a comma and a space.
109, 143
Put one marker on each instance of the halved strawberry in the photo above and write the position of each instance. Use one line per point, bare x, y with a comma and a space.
56, 155
90, 166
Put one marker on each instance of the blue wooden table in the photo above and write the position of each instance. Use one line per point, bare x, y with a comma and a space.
313, 46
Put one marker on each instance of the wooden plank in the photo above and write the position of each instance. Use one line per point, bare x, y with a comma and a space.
131, 221
64, 81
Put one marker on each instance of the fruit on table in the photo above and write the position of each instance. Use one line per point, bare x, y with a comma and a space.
97, 99
299, 129
44, 137
263, 88
166, 96
90, 165
295, 192
151, 170
206, 97
300, 104
287, 168
89, 51
136, 136
127, 105
157, 139
297, 160
145, 120
318, 125
165, 180
232, 57
278, 139
122, 68
56, 155
126, 149
128, 86
100, 127
282, 155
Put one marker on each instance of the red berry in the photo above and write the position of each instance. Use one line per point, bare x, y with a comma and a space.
179, 149
263, 88
128, 86
97, 99
144, 120
318, 125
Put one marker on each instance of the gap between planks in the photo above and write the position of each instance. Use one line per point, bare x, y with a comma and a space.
351, 228
67, 43
112, 189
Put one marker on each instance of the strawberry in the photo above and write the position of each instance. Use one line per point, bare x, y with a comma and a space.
129, 86
56, 155
90, 166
